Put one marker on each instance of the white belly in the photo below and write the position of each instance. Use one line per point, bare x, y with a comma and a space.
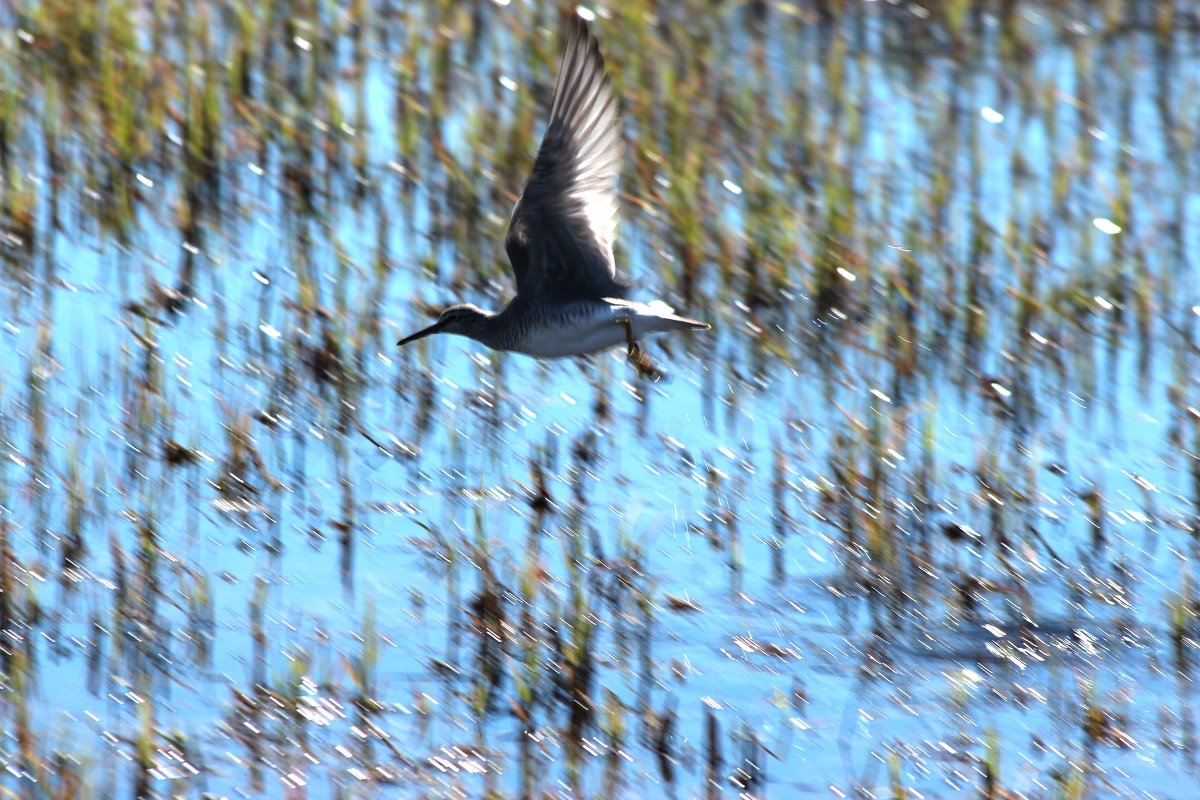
591, 337
601, 330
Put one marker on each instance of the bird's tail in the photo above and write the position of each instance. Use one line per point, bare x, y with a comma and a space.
665, 312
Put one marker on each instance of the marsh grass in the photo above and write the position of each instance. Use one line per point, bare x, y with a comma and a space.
214, 218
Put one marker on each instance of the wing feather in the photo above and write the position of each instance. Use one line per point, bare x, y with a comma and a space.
560, 237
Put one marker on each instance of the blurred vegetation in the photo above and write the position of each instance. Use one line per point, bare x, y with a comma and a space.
975, 203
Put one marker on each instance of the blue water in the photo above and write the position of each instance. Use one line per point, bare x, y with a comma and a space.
678, 488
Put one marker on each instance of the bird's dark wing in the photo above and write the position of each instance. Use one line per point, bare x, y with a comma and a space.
560, 237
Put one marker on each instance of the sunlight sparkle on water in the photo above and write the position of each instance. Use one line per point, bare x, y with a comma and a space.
991, 115
929, 517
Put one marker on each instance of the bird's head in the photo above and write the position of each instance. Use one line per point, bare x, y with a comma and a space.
463, 319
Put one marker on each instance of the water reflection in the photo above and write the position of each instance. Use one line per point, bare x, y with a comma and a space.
918, 516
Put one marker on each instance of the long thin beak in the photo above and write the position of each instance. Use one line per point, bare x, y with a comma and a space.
421, 334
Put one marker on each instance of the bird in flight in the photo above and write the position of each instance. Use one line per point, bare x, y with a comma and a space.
570, 300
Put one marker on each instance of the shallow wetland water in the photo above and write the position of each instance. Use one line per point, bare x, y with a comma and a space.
916, 519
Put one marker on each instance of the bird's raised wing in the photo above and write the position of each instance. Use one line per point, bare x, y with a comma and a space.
560, 236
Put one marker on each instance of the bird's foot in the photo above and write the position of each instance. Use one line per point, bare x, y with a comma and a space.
645, 367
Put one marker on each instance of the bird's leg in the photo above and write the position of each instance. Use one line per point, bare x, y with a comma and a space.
634, 351
641, 361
